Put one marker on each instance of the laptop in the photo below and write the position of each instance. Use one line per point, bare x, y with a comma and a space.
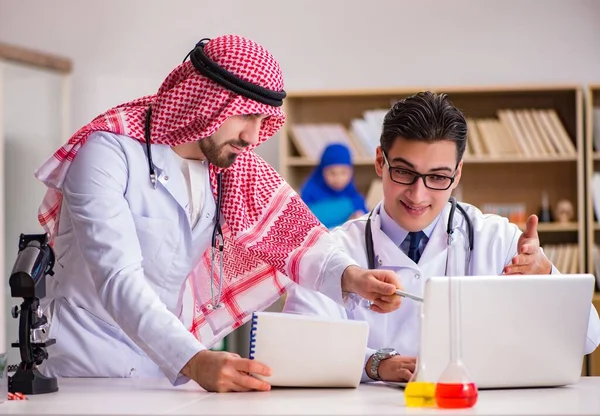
516, 331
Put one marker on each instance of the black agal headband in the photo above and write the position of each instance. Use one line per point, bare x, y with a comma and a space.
221, 76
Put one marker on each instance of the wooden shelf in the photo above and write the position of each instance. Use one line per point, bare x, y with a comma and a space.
554, 227
303, 161
516, 89
35, 58
518, 159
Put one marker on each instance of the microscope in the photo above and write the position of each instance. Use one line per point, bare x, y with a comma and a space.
28, 281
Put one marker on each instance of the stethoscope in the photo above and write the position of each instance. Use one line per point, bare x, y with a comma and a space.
450, 229
203, 64
217, 242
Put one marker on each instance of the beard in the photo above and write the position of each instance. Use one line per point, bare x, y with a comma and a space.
217, 154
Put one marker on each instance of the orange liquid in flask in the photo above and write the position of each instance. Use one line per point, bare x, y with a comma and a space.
455, 395
455, 389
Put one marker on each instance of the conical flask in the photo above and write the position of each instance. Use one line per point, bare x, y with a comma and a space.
455, 389
420, 390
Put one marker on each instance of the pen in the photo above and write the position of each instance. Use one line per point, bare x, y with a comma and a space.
408, 295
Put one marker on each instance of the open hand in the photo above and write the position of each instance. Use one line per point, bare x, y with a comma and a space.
529, 258
221, 372
377, 286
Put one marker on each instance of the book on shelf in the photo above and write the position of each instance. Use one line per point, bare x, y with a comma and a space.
525, 133
565, 257
475, 145
312, 138
520, 133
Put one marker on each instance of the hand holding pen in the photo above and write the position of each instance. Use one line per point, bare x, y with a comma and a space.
408, 295
400, 292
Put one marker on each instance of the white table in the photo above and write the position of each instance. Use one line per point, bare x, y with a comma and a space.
157, 397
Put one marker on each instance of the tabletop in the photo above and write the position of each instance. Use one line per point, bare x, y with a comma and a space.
158, 397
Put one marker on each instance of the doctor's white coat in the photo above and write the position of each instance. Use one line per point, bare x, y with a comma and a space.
495, 245
123, 252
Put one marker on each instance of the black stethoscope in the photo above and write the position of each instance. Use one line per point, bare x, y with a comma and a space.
217, 243
449, 230
226, 79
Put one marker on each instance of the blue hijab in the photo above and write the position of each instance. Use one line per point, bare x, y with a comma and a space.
316, 191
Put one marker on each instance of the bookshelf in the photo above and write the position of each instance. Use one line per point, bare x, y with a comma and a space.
502, 169
592, 154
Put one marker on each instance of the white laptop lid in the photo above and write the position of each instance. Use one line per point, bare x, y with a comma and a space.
516, 331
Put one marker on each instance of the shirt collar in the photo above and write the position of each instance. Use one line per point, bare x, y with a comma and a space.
161, 154
396, 233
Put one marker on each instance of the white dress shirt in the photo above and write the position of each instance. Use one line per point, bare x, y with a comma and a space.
195, 173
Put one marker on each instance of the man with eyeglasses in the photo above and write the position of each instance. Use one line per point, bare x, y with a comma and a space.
420, 163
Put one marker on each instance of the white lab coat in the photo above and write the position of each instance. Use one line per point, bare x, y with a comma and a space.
129, 261
495, 245
123, 252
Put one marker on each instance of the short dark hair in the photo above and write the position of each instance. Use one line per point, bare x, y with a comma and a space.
425, 116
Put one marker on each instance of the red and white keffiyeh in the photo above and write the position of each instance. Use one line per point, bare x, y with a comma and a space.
268, 228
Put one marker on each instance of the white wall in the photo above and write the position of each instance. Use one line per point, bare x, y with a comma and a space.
125, 48
34, 95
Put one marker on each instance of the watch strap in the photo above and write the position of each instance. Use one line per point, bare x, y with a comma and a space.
378, 357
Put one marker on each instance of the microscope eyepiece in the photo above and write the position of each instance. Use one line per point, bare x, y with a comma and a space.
34, 261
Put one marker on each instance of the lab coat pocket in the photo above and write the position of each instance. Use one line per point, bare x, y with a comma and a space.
154, 235
92, 321
86, 344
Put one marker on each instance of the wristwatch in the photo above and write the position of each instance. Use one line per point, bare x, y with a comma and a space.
378, 357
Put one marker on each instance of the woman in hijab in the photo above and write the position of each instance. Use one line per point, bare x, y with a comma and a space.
330, 192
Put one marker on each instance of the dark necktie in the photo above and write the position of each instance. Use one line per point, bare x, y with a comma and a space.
413, 249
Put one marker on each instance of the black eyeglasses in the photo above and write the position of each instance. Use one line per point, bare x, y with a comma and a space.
404, 176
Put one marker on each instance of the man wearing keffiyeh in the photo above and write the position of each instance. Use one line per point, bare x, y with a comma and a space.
131, 219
